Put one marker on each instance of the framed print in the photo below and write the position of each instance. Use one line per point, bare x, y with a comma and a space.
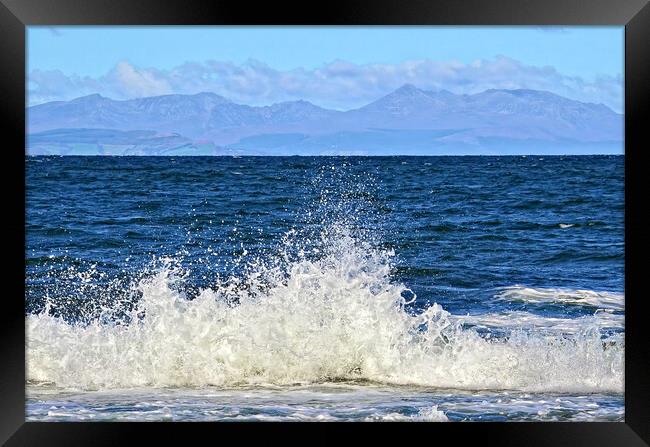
418, 217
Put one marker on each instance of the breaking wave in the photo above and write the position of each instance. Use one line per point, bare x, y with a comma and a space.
337, 316
521, 320
591, 298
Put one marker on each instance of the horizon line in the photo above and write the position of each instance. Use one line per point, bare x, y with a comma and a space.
331, 156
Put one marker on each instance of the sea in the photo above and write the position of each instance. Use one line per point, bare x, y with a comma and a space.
487, 288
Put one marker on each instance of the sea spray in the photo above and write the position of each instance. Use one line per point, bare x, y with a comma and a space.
337, 316
320, 306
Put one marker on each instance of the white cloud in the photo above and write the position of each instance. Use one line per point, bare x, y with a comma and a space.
136, 82
339, 84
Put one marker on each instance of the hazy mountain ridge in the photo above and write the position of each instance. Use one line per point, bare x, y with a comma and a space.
409, 120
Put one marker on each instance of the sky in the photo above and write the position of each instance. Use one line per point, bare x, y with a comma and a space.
334, 67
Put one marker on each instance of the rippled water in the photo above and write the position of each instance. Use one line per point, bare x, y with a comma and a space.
300, 288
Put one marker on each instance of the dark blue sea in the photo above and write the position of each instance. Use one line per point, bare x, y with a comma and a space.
325, 288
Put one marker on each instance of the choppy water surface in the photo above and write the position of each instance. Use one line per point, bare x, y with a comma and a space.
318, 288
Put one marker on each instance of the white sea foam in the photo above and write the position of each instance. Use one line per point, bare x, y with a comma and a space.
600, 300
338, 317
318, 402
431, 414
515, 320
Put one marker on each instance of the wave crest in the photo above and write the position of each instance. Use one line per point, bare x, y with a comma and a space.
596, 299
336, 317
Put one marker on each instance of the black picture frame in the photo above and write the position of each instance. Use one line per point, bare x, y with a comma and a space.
15, 15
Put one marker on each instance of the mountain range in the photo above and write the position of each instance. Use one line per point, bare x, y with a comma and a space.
408, 121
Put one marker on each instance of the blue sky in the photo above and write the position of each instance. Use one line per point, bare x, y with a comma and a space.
337, 67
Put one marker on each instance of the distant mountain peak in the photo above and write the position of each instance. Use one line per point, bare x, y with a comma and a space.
182, 97
211, 95
523, 92
91, 97
411, 89
406, 99
408, 88
297, 102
